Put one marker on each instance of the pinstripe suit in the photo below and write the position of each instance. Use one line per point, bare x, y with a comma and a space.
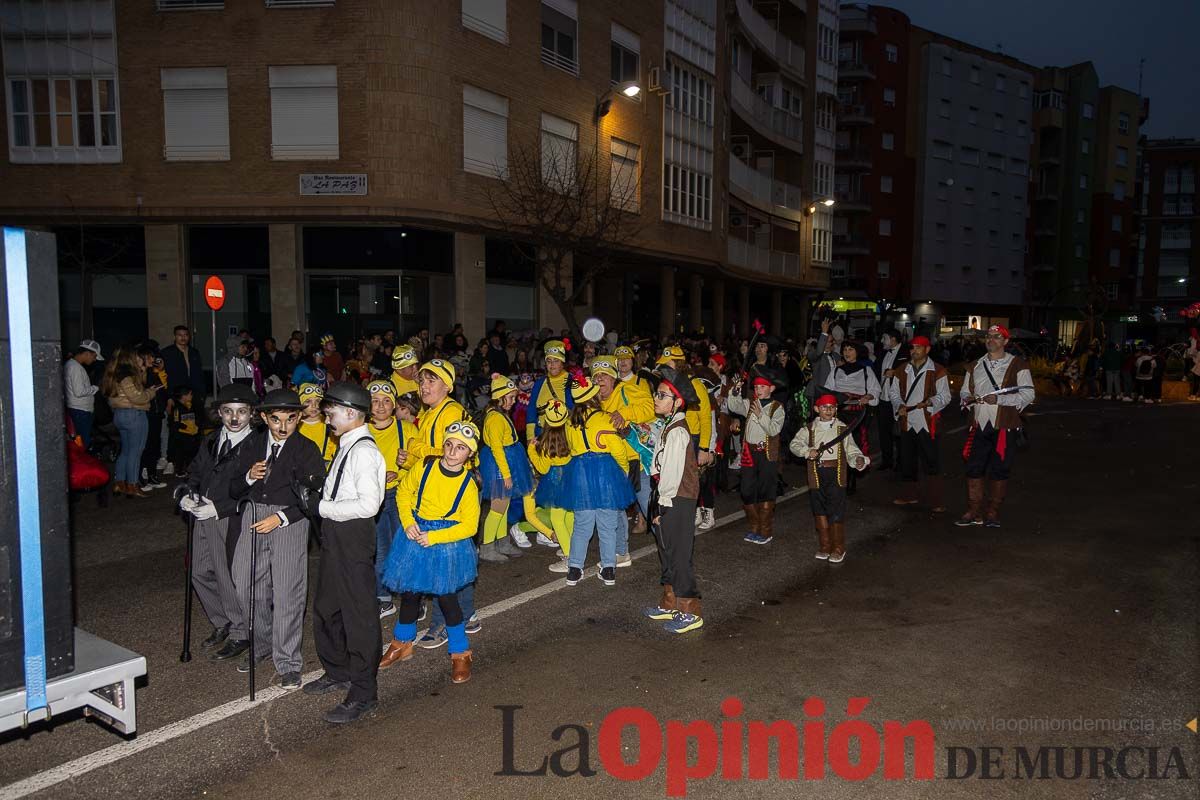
281, 585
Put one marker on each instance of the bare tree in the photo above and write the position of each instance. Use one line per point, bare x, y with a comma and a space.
91, 254
569, 215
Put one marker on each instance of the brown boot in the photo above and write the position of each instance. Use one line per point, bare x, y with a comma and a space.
396, 652
133, 490
766, 520
668, 601
838, 540
460, 667
752, 522
999, 488
908, 494
638, 524
974, 504
118, 487
823, 537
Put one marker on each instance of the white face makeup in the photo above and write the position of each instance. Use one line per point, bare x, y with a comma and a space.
341, 418
282, 424
235, 416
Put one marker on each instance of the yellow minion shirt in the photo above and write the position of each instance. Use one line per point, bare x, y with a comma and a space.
325, 440
498, 433
597, 436
542, 464
388, 441
403, 385
431, 430
431, 492
550, 388
699, 420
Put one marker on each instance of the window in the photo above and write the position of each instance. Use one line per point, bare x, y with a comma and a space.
735, 55
969, 155
891, 53
822, 239
304, 112
1185, 205
947, 66
1048, 99
560, 35
1187, 180
889, 141
1079, 216
827, 44
889, 97
1083, 181
969, 195
940, 193
1020, 128
485, 132
995, 161
1119, 190
687, 195
625, 178
1089, 111
975, 75
190, 5
1122, 156
1122, 123
626, 53
1078, 250
885, 227
1085, 146
1176, 236
883, 269
1022, 90
994, 202
195, 114
998, 122
968, 235
822, 179
885, 184
489, 17
1015, 241
560, 152
1171, 180
1017, 166
1114, 257
298, 3
999, 85
944, 108
939, 230
972, 115
691, 94
991, 276
943, 150
1170, 206
62, 88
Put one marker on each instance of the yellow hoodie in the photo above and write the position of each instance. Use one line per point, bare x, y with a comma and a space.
438, 500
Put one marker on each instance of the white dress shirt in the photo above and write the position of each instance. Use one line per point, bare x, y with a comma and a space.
861, 382
272, 443
985, 413
889, 361
360, 493
80, 394
916, 391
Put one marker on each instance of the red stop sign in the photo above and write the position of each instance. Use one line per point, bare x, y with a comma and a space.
214, 293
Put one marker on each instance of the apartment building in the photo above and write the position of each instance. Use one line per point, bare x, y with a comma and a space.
1168, 263
334, 160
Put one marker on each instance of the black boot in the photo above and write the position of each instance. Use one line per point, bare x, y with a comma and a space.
217, 636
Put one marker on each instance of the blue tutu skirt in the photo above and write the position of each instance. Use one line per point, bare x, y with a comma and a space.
594, 481
435, 570
550, 488
518, 467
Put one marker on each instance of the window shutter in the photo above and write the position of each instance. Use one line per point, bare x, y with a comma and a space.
488, 17
485, 132
304, 113
568, 7
626, 38
195, 114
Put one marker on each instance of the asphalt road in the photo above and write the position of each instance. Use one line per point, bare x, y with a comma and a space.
1073, 626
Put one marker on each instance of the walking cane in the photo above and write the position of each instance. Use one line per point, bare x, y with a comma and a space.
253, 577
186, 654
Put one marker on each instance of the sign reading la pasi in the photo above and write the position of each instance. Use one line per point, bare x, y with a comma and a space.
333, 184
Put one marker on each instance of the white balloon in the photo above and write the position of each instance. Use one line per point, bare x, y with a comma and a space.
593, 329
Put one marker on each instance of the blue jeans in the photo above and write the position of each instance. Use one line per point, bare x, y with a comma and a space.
133, 426
643, 503
387, 522
607, 521
466, 601
83, 425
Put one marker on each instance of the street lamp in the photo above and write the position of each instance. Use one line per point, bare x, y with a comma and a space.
629, 88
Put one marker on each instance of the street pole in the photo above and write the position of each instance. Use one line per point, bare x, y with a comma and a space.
214, 349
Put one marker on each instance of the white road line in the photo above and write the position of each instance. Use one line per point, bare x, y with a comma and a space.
145, 741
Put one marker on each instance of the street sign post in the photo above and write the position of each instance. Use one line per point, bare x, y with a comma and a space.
214, 296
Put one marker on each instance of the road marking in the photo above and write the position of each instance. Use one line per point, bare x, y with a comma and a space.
145, 741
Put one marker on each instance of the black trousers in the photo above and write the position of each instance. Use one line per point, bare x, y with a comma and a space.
983, 453
760, 481
918, 448
410, 608
675, 536
708, 485
886, 427
345, 611
828, 499
153, 442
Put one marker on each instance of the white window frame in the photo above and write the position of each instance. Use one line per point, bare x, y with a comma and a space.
559, 153
887, 140
1119, 190
883, 269
885, 227
568, 9
1122, 157
486, 17
885, 184
625, 175
485, 132
892, 53
1085, 146
1116, 223
889, 96
1089, 111
975, 75
944, 108
947, 66
297, 96
195, 113
999, 85
626, 41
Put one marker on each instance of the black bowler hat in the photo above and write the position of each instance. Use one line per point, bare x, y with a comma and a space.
281, 400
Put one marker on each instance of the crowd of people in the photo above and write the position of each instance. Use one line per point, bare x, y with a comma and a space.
1131, 374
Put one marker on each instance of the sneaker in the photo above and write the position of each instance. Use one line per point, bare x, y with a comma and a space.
750, 537
559, 552
624, 560
762, 540
161, 465
473, 624
837, 558
167, 469
682, 623
431, 639
325, 684
706, 519
545, 541
346, 712
559, 566
822, 556
244, 665
386, 608
699, 516
608, 576
992, 523
658, 613
182, 475
519, 538
574, 575
147, 486
290, 681
966, 522
424, 612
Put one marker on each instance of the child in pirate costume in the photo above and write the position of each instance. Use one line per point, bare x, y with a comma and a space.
312, 421
831, 456
596, 484
505, 473
549, 454
388, 434
917, 396
997, 387
700, 419
209, 477
764, 419
278, 467
626, 403
404, 370
549, 387
434, 554
673, 505
857, 388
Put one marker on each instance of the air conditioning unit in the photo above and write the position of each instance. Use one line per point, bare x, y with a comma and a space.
654, 80
741, 148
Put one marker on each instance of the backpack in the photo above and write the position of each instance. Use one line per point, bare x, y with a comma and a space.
1145, 368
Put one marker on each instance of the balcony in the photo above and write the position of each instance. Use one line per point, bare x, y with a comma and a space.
760, 259
857, 159
849, 115
764, 191
855, 70
854, 20
774, 123
789, 54
1049, 195
1045, 232
848, 244
854, 200
1050, 158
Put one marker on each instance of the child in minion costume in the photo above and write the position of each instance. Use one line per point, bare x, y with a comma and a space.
505, 472
627, 403
550, 453
596, 482
554, 385
312, 421
434, 552
404, 370
386, 431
